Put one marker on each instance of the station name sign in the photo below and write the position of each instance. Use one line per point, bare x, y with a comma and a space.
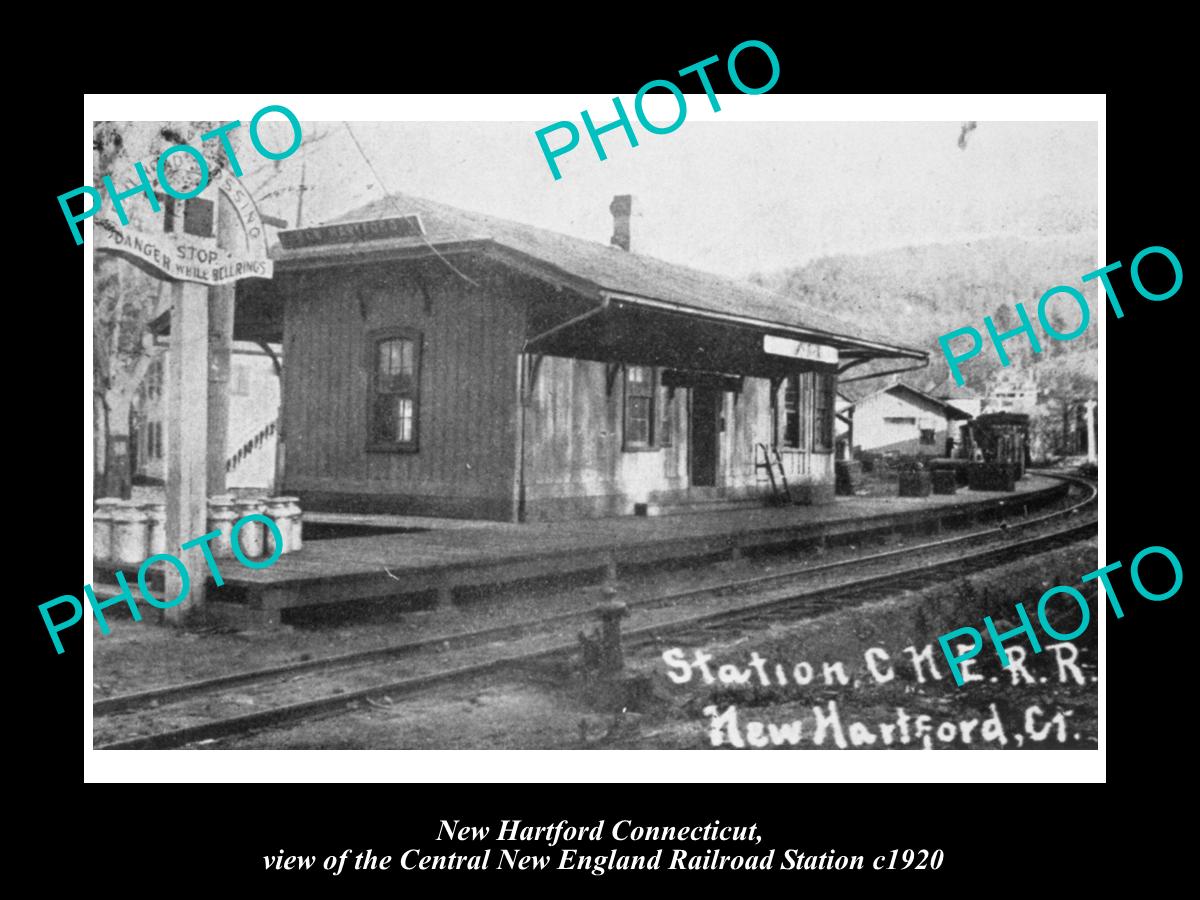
352, 232
818, 353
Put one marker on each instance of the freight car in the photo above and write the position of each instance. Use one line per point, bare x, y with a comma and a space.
1000, 438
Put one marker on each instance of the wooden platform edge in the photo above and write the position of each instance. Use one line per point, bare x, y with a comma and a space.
271, 598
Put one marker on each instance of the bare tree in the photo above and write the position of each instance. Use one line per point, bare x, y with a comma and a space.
123, 301
126, 298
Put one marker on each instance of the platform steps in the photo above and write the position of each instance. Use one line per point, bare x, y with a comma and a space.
707, 505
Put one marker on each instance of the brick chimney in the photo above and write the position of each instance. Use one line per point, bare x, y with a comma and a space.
621, 207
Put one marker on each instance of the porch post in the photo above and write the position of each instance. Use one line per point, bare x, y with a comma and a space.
187, 423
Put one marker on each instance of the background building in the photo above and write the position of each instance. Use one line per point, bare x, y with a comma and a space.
253, 413
900, 419
1011, 390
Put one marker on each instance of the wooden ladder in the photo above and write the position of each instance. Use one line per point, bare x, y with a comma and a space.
770, 465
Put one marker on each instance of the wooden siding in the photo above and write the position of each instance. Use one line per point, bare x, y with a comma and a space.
469, 434
576, 465
471, 338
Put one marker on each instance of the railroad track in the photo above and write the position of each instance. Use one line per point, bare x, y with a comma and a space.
792, 592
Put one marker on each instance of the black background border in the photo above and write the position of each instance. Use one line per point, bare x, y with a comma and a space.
218, 835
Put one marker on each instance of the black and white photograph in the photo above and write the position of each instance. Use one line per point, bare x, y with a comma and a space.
727, 440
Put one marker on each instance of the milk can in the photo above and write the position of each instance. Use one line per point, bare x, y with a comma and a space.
295, 520
221, 516
156, 514
130, 535
102, 527
286, 513
250, 535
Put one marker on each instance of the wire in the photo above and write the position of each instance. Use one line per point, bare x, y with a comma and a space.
399, 212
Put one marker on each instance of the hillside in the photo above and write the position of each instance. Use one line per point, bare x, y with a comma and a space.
917, 293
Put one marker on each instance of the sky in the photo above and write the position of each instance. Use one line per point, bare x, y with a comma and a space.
734, 198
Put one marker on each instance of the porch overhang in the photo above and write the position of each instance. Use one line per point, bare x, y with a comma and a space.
644, 331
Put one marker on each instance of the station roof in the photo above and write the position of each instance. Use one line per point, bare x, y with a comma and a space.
599, 271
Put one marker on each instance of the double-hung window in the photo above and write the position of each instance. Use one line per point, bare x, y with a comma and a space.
394, 390
639, 407
793, 412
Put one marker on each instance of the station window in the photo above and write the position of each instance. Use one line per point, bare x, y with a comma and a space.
793, 427
822, 404
395, 378
927, 437
639, 407
792, 419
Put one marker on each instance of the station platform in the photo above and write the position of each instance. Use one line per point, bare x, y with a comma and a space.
443, 555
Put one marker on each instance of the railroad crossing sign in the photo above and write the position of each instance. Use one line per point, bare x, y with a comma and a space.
181, 240
202, 245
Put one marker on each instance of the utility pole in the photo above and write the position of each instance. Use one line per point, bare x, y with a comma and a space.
303, 174
220, 350
1092, 436
187, 417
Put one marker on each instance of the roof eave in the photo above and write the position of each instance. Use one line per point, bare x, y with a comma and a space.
858, 346
950, 411
358, 252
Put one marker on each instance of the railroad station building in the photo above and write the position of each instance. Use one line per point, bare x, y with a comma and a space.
442, 362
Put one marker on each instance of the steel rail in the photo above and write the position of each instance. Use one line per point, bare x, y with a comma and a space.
779, 599
110, 705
